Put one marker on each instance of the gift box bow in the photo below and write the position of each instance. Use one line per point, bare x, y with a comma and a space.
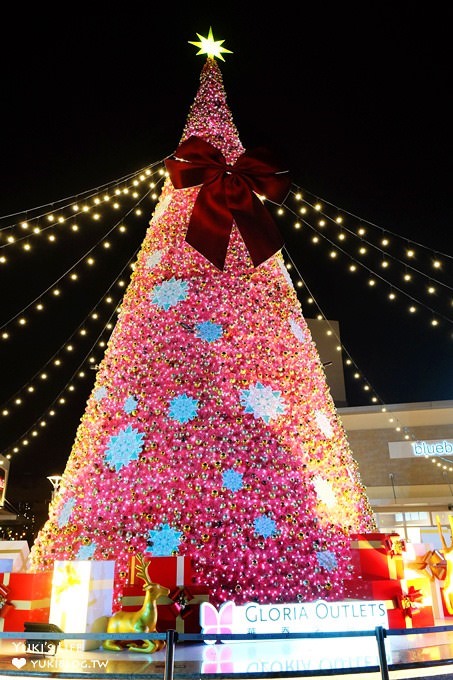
394, 546
5, 606
180, 598
181, 601
437, 564
410, 602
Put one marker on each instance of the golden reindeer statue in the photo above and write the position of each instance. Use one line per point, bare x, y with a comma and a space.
142, 621
447, 552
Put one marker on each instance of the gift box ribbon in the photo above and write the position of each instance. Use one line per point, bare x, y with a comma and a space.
394, 545
409, 602
5, 606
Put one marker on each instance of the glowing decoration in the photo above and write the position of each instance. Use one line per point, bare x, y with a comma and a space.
232, 480
164, 541
263, 402
209, 46
81, 599
302, 617
436, 447
130, 404
265, 526
169, 293
209, 331
124, 447
216, 622
183, 408
324, 491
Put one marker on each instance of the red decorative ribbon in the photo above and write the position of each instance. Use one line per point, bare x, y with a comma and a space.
181, 598
394, 546
5, 606
410, 601
229, 192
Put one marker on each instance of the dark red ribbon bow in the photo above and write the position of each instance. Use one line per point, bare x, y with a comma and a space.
229, 192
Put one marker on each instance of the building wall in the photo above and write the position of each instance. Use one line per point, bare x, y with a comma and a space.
407, 494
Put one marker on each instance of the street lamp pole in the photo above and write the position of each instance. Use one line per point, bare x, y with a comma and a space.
55, 480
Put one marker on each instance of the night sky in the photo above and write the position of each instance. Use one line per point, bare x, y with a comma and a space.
355, 102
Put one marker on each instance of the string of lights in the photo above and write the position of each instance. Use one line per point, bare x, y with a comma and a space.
310, 213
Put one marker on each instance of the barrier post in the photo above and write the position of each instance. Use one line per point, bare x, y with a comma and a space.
380, 636
171, 639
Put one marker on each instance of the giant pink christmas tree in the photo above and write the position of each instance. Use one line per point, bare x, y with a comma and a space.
210, 432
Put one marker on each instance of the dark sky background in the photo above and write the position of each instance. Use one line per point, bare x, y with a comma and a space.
355, 99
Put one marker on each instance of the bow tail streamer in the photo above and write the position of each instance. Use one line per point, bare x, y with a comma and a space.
210, 224
261, 237
255, 223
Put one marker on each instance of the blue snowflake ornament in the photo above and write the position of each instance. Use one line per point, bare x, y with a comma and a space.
263, 402
169, 293
130, 405
65, 512
100, 393
164, 540
265, 526
284, 270
297, 330
154, 259
327, 559
86, 552
209, 331
232, 480
124, 447
183, 408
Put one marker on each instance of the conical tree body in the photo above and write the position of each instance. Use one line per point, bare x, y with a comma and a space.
211, 432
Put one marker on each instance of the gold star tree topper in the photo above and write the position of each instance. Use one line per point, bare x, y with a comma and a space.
209, 46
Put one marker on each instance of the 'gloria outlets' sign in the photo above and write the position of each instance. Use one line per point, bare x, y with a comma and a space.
297, 617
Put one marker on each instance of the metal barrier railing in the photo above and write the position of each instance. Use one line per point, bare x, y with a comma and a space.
172, 638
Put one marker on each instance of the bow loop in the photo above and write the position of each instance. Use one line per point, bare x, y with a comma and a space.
229, 192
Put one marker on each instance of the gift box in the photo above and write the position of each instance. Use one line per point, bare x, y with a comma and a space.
377, 589
27, 585
377, 556
408, 601
413, 608
13, 556
423, 618
27, 598
82, 599
179, 611
14, 619
171, 572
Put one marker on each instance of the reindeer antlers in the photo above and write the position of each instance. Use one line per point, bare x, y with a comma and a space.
441, 534
141, 569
